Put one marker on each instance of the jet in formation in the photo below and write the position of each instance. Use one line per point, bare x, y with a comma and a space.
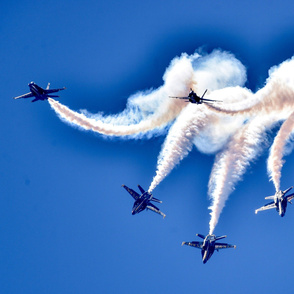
208, 245
194, 98
143, 201
280, 202
39, 93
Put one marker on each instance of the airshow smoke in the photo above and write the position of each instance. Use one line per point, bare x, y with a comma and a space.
235, 129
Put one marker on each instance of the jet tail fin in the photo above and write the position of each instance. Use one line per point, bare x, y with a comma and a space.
287, 190
200, 236
141, 189
48, 86
204, 93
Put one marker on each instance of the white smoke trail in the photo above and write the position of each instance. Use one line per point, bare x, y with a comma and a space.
149, 111
152, 111
213, 71
277, 95
195, 125
231, 164
275, 162
179, 141
209, 127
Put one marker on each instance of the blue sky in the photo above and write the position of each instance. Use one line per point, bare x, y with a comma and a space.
65, 222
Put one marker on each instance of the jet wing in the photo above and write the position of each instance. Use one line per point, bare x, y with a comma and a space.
179, 97
209, 100
266, 207
53, 90
28, 95
155, 209
134, 194
223, 246
194, 244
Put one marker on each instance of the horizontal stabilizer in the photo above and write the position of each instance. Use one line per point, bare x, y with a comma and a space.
155, 209
156, 200
200, 236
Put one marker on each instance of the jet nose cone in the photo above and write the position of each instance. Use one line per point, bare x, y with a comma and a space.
133, 212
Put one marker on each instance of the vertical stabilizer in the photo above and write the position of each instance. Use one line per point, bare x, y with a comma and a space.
141, 189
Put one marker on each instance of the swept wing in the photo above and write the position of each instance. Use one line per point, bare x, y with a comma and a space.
195, 244
179, 97
223, 246
28, 95
134, 194
48, 91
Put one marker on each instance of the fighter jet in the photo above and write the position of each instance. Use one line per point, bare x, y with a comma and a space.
39, 93
143, 201
208, 245
280, 202
194, 98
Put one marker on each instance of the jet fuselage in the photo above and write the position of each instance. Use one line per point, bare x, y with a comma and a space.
194, 98
281, 203
141, 203
37, 91
208, 247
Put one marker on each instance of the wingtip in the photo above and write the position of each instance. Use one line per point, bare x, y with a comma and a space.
235, 246
183, 243
123, 185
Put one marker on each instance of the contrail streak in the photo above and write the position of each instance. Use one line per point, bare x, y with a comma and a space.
231, 164
86, 123
275, 162
276, 96
235, 128
145, 111
179, 141
152, 111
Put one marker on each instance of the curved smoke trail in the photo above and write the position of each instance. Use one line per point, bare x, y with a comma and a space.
145, 111
152, 111
275, 162
179, 141
240, 135
231, 164
276, 96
